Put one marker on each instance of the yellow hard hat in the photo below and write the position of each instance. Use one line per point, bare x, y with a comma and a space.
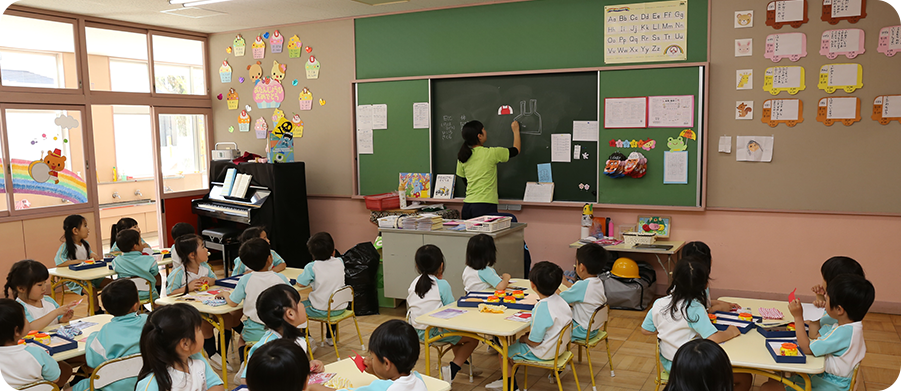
625, 268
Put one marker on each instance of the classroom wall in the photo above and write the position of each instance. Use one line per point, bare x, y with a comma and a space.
760, 254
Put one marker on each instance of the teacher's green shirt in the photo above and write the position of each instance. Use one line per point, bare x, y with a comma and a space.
480, 172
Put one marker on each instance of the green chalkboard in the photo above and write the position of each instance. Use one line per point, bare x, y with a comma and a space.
543, 103
400, 148
513, 36
650, 190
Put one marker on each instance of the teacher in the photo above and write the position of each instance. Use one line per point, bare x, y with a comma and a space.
477, 166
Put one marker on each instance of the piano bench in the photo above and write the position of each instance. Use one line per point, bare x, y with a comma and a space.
220, 235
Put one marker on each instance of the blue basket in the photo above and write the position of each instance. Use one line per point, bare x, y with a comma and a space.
69, 345
771, 333
83, 266
801, 358
513, 306
230, 282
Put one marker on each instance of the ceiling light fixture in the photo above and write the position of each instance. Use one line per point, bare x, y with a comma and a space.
176, 2
193, 3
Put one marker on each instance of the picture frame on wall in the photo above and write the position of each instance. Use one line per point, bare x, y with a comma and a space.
660, 225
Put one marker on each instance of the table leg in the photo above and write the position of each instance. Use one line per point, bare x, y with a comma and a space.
89, 287
219, 324
773, 376
504, 366
428, 364
54, 282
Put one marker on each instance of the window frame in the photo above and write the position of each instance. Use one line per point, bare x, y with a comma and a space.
105, 26
207, 95
77, 33
156, 112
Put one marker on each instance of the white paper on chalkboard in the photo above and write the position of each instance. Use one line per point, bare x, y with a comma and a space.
585, 130
675, 167
622, 113
364, 142
421, 115
380, 116
539, 192
561, 144
364, 117
671, 111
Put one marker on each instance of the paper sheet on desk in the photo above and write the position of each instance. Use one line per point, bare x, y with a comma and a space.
811, 312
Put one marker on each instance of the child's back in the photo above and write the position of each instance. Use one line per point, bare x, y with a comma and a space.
550, 316
439, 295
587, 294
325, 275
479, 273
179, 230
133, 263
250, 286
21, 364
673, 329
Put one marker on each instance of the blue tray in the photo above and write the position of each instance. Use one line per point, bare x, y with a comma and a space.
230, 282
800, 359
513, 306
757, 319
69, 345
770, 333
95, 265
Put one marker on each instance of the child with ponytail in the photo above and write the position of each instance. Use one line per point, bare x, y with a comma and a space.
75, 249
477, 165
121, 225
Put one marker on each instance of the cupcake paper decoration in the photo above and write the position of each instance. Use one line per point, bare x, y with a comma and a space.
232, 99
239, 46
298, 126
276, 116
294, 47
244, 121
261, 127
306, 99
276, 41
313, 68
268, 93
259, 48
225, 72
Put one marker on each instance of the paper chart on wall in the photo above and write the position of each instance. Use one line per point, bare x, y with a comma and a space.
845, 40
725, 144
785, 110
846, 8
585, 130
380, 116
843, 74
789, 11
671, 111
364, 117
364, 141
787, 77
842, 108
545, 174
421, 115
675, 167
891, 106
754, 148
626, 113
538, 192
561, 143
645, 32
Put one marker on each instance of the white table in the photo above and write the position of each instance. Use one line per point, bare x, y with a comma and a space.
101, 320
347, 369
672, 255
82, 278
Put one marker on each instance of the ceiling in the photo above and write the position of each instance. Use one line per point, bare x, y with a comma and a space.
236, 14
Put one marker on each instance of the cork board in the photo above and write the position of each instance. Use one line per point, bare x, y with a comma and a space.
815, 167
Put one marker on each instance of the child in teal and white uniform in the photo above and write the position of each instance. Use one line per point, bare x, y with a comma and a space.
587, 294
24, 364
133, 263
278, 263
325, 275
479, 274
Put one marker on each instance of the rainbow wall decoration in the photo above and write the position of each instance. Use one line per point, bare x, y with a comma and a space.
71, 187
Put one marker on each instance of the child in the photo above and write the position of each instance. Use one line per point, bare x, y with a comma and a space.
27, 280
24, 364
587, 294
133, 263
195, 271
479, 274
393, 351
326, 275
280, 308
278, 264
257, 257
681, 317
700, 364
179, 230
120, 337
279, 365
76, 250
549, 317
422, 299
833, 267
702, 252
171, 342
848, 298
122, 225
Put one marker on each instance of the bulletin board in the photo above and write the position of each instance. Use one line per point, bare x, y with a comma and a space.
814, 167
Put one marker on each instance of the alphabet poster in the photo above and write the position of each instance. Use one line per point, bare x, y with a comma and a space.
646, 32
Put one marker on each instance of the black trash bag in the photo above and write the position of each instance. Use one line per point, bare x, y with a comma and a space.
361, 264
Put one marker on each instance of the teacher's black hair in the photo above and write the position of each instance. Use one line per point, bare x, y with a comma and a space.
470, 133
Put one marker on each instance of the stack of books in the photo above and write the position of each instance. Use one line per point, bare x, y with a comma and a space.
429, 222
409, 222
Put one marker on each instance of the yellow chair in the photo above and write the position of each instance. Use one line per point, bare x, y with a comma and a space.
589, 343
44, 385
114, 370
144, 285
854, 377
556, 365
342, 296
662, 375
441, 348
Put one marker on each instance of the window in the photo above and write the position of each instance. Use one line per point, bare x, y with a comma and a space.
37, 53
117, 60
183, 149
178, 66
47, 157
133, 138
3, 203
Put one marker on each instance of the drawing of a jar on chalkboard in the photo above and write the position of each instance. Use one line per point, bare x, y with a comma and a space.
529, 121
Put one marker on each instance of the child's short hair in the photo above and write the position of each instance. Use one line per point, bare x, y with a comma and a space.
254, 253
546, 276
593, 256
321, 246
395, 341
854, 293
250, 233
278, 365
12, 319
700, 364
24, 274
186, 245
481, 252
181, 229
119, 297
127, 239
698, 249
835, 266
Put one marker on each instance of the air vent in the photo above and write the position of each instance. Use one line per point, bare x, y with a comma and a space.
381, 2
192, 12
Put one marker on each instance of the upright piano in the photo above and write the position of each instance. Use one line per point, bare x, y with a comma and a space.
276, 200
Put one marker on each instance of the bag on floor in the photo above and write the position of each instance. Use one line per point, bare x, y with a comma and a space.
629, 293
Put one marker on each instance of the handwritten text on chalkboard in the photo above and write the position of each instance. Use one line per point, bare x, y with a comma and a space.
646, 32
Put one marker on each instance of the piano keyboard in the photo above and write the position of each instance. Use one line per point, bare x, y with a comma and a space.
235, 211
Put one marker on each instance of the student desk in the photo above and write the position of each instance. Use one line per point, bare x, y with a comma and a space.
213, 315
399, 247
82, 278
749, 355
101, 320
348, 370
672, 255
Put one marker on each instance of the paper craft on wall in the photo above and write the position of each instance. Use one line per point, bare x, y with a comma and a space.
848, 42
281, 143
276, 41
239, 46
298, 126
248, 108
258, 47
308, 49
659, 225
754, 149
505, 110
744, 79
676, 144
225, 72
415, 185
244, 121
380, 116
48, 177
268, 93
676, 111
789, 45
277, 115
66, 122
744, 47
789, 78
725, 145
585, 131
624, 113
545, 175
675, 167
294, 46
312, 67
444, 186
232, 99
255, 72
782, 111
786, 12
845, 110
278, 70
261, 127
630, 34
306, 99
887, 108
744, 109
364, 141
321, 102
835, 11
889, 40
421, 115
744, 19
848, 77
